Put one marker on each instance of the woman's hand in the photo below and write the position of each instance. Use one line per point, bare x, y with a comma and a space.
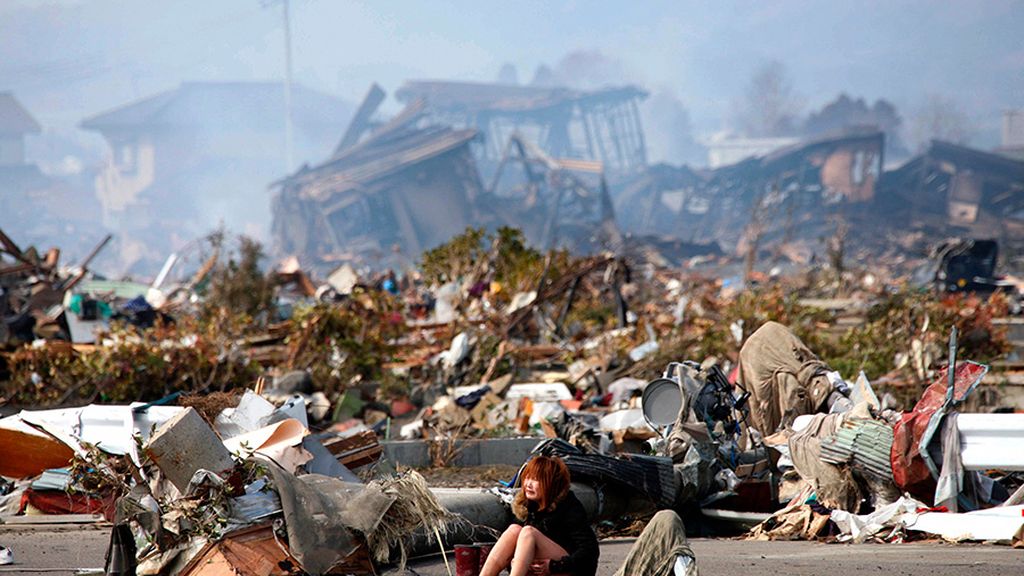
541, 568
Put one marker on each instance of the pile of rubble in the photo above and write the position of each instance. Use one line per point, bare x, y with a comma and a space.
252, 490
865, 471
719, 394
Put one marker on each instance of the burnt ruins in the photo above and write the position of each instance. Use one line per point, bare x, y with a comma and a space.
569, 168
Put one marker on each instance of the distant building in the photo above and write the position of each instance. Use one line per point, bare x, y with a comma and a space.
19, 180
35, 208
1013, 134
15, 123
184, 160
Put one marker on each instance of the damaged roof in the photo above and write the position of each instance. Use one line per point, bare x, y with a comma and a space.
14, 119
376, 158
980, 160
484, 97
827, 142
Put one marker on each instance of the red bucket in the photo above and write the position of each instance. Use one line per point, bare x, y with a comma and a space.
485, 551
467, 560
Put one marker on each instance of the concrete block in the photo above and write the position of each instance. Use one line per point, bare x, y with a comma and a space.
184, 444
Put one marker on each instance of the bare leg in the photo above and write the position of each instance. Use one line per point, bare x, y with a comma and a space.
501, 553
533, 545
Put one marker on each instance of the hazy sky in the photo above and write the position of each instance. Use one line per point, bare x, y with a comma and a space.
69, 59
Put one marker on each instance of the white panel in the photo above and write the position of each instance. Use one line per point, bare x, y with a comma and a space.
992, 441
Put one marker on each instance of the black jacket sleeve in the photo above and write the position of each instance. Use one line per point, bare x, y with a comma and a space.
579, 538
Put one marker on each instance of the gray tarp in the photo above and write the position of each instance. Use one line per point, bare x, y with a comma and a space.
319, 511
785, 379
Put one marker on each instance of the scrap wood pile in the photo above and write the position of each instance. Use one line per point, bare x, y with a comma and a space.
33, 289
249, 490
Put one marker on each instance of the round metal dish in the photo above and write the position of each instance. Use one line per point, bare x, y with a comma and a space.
661, 402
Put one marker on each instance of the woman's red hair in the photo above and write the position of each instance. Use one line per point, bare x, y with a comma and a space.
553, 476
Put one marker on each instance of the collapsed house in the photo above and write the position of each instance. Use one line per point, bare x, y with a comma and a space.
800, 194
404, 187
555, 202
651, 201
786, 195
569, 169
953, 189
394, 189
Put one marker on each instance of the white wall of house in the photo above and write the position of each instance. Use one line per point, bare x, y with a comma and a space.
129, 169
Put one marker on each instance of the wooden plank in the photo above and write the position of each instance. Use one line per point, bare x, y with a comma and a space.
357, 450
251, 550
362, 457
341, 445
361, 120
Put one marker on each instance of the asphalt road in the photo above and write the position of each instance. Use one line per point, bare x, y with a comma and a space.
63, 551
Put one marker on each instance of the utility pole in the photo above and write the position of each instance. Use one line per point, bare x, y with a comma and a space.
288, 152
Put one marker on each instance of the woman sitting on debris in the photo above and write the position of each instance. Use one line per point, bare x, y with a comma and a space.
552, 534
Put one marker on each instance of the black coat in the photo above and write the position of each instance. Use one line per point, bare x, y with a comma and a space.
569, 527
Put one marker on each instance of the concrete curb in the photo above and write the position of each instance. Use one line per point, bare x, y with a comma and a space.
475, 452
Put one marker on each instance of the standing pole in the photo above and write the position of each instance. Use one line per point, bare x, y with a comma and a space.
288, 154
951, 370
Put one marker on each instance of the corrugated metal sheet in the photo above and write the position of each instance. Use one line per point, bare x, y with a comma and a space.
863, 444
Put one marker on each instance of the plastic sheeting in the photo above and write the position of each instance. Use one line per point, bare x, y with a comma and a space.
913, 468
1000, 524
858, 528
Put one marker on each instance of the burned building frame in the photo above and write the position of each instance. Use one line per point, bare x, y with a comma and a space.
602, 125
